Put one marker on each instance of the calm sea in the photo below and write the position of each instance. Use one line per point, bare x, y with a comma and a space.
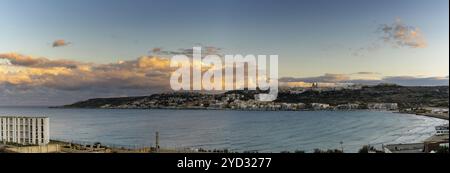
234, 130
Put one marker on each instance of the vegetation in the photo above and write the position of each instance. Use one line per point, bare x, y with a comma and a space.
16, 144
367, 149
299, 151
327, 151
406, 97
443, 149
4, 150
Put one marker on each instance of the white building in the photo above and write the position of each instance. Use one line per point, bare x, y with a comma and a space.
320, 106
348, 106
383, 106
24, 130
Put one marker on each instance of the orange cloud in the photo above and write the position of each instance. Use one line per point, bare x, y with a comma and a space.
38, 62
144, 72
153, 63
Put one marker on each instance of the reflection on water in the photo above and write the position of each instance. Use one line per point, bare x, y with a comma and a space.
235, 130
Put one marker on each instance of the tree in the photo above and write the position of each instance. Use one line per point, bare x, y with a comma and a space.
364, 149
442, 149
299, 151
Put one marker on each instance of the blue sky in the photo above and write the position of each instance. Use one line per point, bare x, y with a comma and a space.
311, 37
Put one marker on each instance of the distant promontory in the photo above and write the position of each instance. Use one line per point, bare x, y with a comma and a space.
364, 97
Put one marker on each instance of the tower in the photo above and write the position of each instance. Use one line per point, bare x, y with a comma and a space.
157, 141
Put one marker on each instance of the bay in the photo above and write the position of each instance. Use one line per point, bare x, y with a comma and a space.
262, 131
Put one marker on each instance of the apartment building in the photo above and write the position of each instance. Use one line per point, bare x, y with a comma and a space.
24, 130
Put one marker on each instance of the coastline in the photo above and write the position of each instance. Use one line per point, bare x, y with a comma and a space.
439, 116
119, 149
444, 117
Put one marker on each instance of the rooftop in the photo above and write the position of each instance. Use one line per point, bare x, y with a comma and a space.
3, 116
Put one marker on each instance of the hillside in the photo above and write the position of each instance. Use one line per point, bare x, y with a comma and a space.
406, 97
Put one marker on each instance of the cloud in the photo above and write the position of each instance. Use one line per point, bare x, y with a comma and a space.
39, 80
145, 72
417, 81
396, 34
17, 95
402, 35
31, 80
4, 62
156, 50
327, 78
28, 61
367, 73
367, 78
206, 50
59, 43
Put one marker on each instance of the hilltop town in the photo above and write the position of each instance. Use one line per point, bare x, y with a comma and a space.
379, 97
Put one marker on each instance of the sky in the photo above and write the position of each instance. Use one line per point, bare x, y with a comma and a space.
77, 47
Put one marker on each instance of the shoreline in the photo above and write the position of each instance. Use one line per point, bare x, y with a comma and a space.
443, 117
86, 147
223, 109
438, 116
432, 115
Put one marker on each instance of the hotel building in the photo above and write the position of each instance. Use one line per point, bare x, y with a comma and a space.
24, 130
